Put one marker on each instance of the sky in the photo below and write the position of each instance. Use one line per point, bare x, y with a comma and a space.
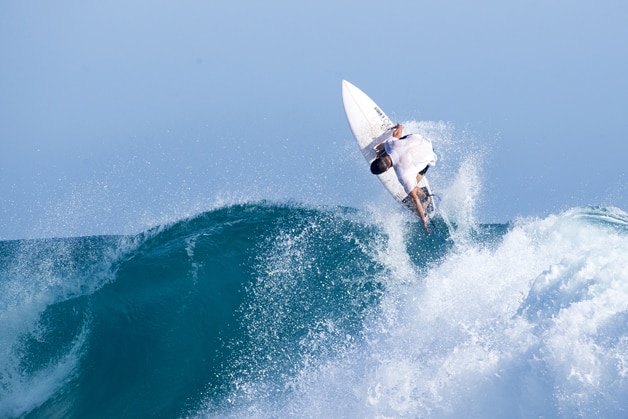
117, 116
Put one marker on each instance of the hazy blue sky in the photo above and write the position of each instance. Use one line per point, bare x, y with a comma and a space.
118, 115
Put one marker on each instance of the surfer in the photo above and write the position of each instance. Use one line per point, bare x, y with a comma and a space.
410, 156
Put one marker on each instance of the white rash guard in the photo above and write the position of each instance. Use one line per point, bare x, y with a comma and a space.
410, 155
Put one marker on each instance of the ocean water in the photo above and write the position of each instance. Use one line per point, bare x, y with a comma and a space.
268, 310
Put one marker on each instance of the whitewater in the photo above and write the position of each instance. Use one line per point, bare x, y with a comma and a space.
268, 309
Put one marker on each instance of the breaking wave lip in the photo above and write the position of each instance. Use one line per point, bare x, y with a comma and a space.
268, 310
37, 279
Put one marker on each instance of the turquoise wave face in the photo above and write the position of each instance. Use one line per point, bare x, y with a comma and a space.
274, 310
152, 324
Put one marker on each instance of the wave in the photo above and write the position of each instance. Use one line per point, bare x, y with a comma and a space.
269, 310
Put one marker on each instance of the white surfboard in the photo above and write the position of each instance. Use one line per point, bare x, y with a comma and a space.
369, 125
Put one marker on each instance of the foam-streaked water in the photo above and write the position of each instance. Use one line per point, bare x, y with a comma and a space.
266, 310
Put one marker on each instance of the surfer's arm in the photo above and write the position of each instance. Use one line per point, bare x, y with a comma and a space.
414, 195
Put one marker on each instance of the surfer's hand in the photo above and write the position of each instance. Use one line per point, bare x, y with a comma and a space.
425, 227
